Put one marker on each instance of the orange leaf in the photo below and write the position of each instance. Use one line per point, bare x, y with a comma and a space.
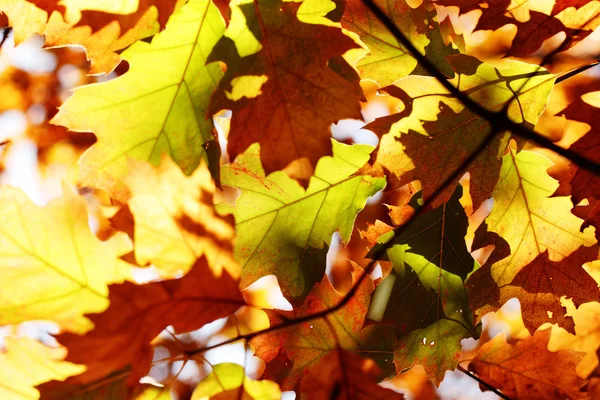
528, 370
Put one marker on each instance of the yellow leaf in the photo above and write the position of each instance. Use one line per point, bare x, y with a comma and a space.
52, 266
227, 380
26, 363
528, 219
104, 28
175, 219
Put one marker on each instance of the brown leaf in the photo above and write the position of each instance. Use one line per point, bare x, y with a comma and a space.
138, 313
342, 375
303, 95
292, 353
533, 27
528, 370
539, 287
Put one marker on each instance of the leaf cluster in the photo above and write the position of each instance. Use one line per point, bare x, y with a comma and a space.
210, 160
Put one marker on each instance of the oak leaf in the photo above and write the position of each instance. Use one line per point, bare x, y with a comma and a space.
302, 95
346, 376
387, 60
434, 134
25, 363
282, 228
539, 287
228, 381
531, 222
175, 219
158, 106
61, 268
528, 370
136, 315
433, 245
103, 30
294, 352
535, 22
578, 182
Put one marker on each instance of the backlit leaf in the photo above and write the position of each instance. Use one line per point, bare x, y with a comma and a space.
49, 268
175, 220
528, 219
228, 381
528, 370
138, 313
157, 107
298, 350
434, 134
283, 228
24, 363
434, 247
303, 94
344, 375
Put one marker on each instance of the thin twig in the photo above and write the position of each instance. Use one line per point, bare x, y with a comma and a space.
484, 383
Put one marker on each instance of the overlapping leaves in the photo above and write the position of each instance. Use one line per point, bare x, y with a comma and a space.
281, 69
283, 229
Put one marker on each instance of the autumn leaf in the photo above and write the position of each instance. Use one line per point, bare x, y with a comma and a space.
175, 220
344, 375
292, 353
535, 23
434, 134
104, 30
300, 96
387, 60
528, 219
434, 247
528, 370
24, 363
539, 287
578, 182
586, 338
50, 258
136, 315
283, 228
157, 107
228, 381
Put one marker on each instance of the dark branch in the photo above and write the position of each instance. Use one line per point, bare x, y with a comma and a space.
496, 119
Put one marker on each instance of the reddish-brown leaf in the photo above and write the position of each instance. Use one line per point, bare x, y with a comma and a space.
539, 287
308, 86
528, 370
533, 27
138, 313
296, 351
342, 375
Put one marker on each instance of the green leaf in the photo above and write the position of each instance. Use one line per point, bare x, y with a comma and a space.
158, 106
428, 303
280, 225
528, 219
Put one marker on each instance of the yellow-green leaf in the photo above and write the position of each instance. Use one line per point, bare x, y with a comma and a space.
528, 219
156, 107
283, 228
228, 380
